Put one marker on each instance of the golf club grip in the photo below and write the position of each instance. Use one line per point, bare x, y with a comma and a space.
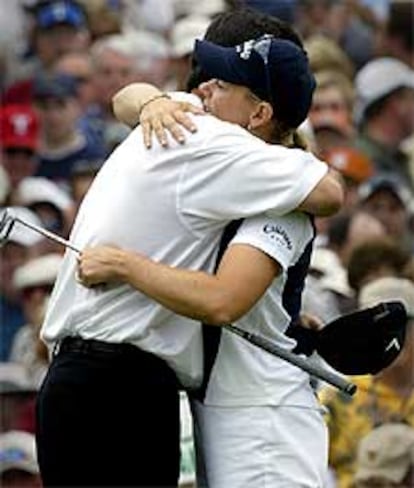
323, 374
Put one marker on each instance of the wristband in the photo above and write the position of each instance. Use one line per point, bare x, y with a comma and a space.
152, 99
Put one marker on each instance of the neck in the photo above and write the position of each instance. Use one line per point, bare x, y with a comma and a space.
262, 133
268, 135
288, 140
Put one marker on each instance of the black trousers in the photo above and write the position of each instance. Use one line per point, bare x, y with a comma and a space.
108, 415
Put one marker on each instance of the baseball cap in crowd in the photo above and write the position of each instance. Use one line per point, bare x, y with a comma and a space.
19, 127
35, 189
385, 454
389, 182
379, 78
388, 288
350, 162
185, 31
57, 85
38, 271
20, 234
60, 12
18, 452
275, 70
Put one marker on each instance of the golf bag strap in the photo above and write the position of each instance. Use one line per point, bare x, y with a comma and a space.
212, 334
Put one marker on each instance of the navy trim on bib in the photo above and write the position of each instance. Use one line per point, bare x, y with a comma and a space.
211, 333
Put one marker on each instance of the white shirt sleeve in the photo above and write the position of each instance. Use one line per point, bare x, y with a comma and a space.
235, 175
282, 238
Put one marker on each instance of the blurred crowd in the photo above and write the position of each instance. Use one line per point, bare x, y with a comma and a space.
61, 62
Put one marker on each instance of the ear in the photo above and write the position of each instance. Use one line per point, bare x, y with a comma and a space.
260, 116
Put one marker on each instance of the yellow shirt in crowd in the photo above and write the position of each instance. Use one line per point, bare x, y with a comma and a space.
351, 418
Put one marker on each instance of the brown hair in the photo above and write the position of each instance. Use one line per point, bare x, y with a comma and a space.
376, 257
325, 54
328, 78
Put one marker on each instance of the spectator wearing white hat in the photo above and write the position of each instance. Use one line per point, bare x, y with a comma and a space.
18, 462
120, 59
183, 35
385, 113
52, 205
386, 457
154, 15
382, 398
34, 280
21, 244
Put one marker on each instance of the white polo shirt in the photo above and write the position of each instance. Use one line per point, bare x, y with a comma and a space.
172, 206
243, 374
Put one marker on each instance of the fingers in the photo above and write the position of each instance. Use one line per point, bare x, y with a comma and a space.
185, 121
163, 116
81, 276
169, 122
147, 133
310, 321
195, 110
162, 125
159, 131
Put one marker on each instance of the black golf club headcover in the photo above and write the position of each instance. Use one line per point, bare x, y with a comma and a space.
365, 341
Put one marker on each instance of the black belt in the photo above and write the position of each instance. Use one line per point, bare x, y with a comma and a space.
123, 351
79, 345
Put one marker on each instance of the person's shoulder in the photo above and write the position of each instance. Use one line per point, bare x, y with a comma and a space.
294, 228
180, 96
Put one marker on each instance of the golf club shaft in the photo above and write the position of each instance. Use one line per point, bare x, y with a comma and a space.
48, 234
323, 374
